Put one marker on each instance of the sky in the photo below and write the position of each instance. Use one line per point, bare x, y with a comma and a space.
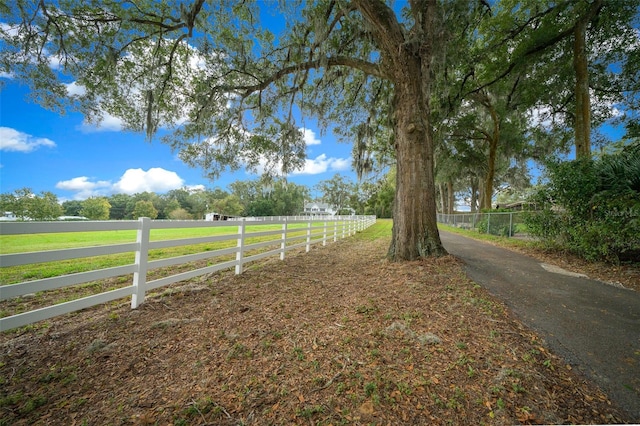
45, 151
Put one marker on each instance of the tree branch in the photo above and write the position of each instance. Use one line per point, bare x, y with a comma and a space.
387, 29
593, 11
364, 66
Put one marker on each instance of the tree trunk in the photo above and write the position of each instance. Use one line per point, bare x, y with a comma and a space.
583, 103
407, 61
493, 153
443, 203
481, 192
474, 195
415, 231
451, 202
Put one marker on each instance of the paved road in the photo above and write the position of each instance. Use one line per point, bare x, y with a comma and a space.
595, 327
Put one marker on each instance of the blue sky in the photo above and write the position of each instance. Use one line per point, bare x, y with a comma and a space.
44, 151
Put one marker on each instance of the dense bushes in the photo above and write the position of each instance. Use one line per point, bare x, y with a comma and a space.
592, 207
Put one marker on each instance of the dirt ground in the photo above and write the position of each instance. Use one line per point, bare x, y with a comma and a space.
335, 336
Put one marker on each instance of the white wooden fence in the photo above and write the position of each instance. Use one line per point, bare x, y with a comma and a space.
308, 231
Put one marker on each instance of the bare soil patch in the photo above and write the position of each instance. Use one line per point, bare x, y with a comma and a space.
335, 336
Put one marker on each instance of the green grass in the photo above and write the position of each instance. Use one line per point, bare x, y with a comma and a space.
505, 241
56, 241
381, 229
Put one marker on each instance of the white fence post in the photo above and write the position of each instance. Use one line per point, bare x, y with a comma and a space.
308, 236
335, 230
240, 252
142, 256
324, 234
283, 244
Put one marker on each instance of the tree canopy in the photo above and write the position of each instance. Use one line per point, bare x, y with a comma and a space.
229, 79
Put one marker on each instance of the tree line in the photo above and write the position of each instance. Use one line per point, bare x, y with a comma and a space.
245, 198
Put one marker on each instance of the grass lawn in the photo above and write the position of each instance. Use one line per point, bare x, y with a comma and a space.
56, 241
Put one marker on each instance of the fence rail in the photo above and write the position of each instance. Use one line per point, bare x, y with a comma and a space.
293, 232
507, 224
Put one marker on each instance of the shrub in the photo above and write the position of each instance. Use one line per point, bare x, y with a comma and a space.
592, 207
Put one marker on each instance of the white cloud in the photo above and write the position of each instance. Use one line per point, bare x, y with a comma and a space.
309, 137
81, 183
154, 180
340, 164
10, 31
108, 123
321, 164
131, 182
84, 188
75, 89
195, 188
14, 140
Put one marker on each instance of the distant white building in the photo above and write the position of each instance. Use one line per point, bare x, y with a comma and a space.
217, 216
68, 218
8, 216
318, 209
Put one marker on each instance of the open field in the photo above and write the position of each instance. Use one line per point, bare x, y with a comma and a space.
335, 336
54, 241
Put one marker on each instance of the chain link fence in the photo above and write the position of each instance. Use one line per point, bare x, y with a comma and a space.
506, 224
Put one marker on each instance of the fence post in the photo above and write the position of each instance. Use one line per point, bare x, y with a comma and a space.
308, 236
142, 256
335, 230
240, 252
283, 244
488, 223
324, 234
510, 223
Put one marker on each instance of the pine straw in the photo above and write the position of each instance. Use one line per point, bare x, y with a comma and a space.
335, 336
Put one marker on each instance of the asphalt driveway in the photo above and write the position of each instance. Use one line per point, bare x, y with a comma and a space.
594, 326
